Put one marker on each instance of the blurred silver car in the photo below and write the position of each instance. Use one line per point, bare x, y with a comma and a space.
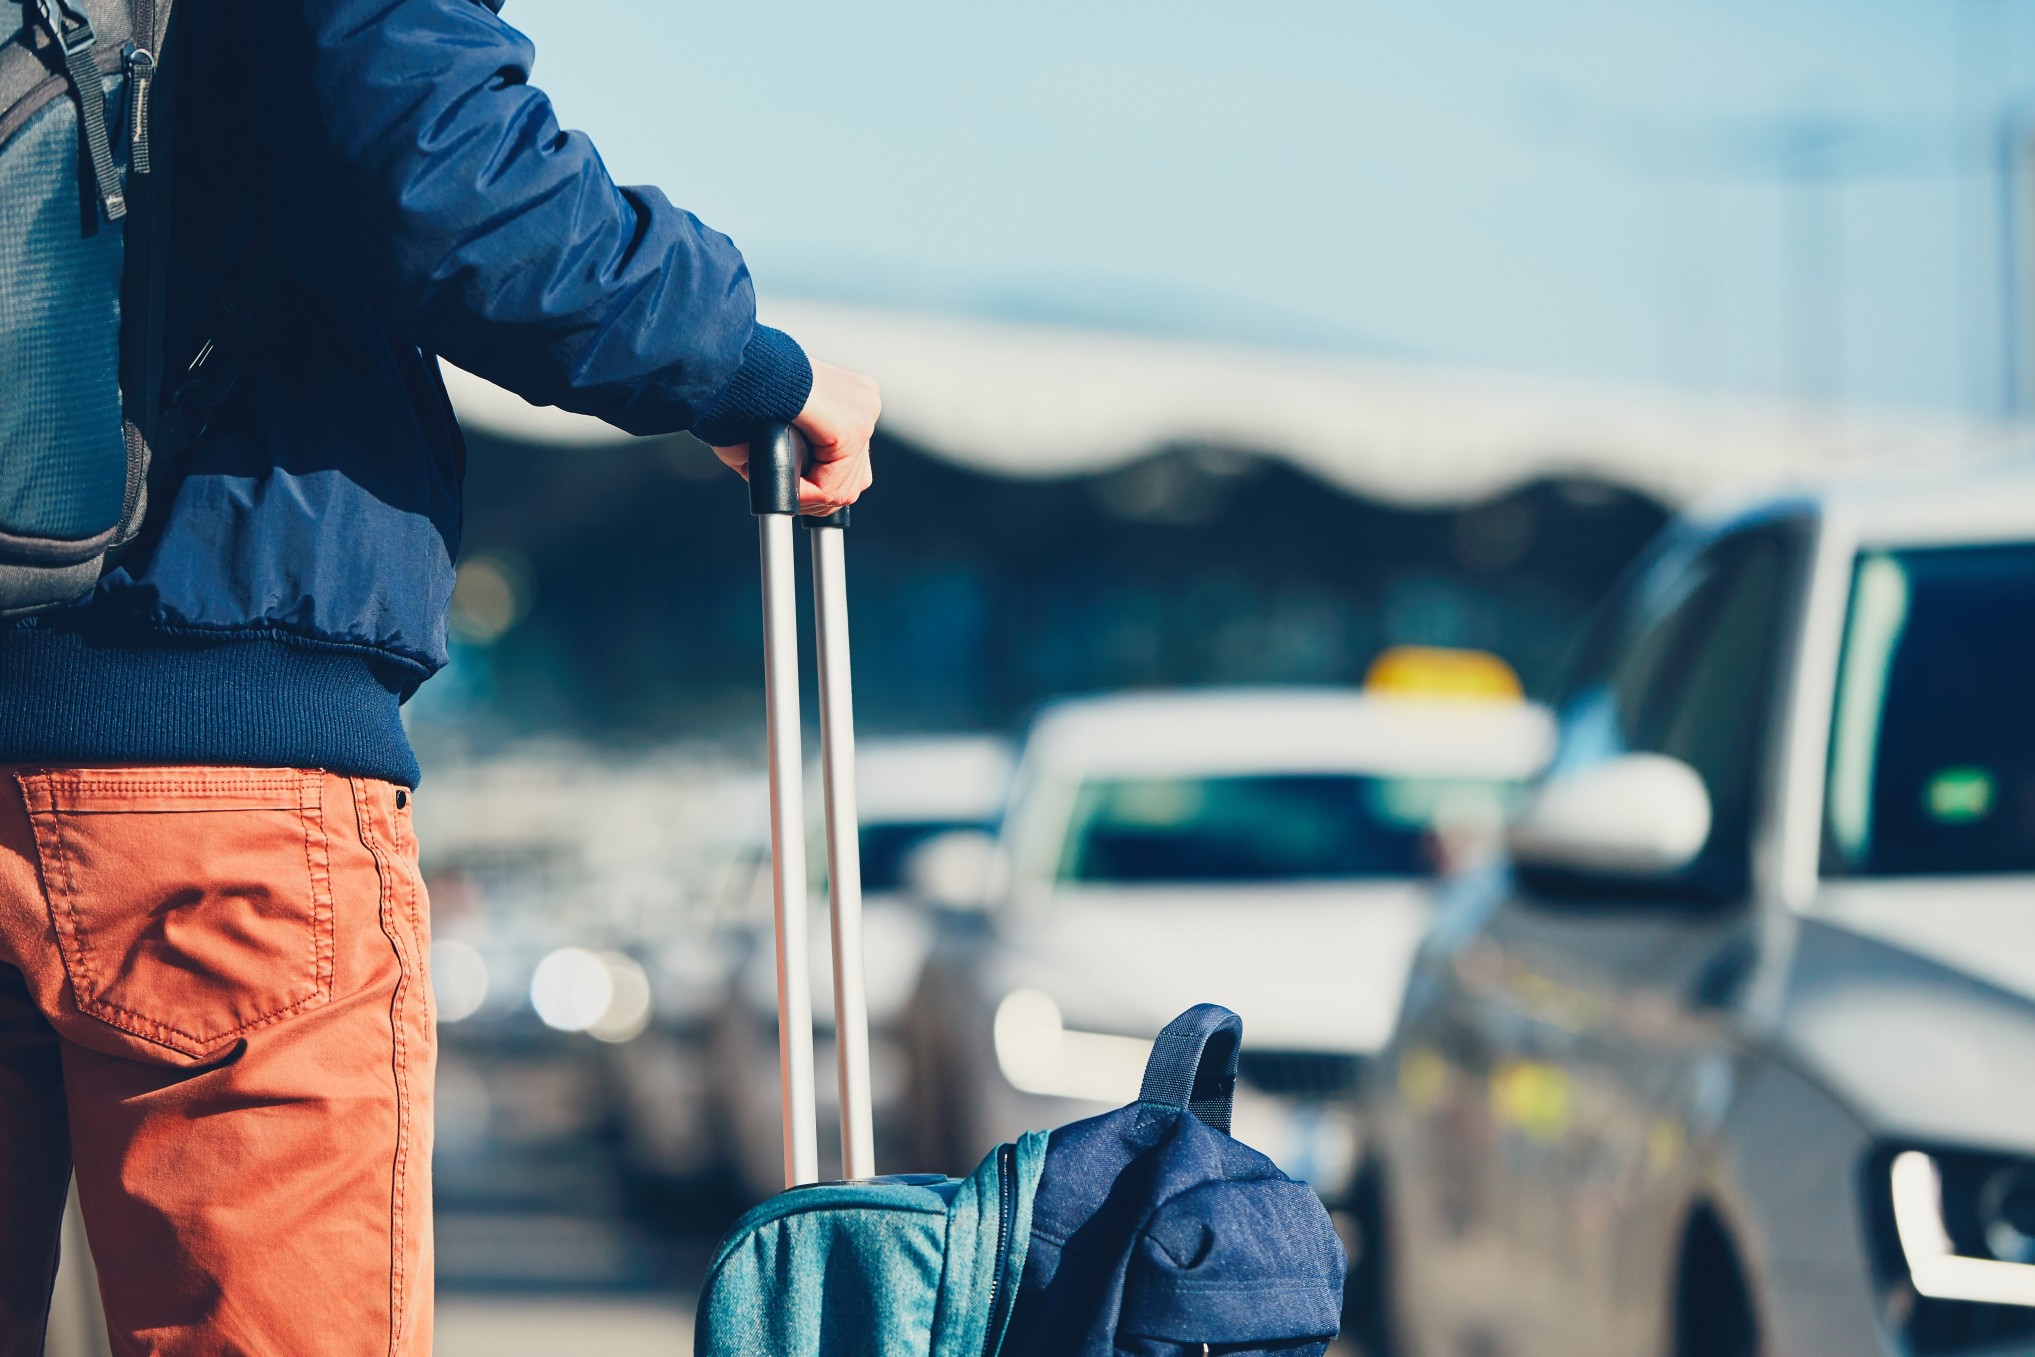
1266, 849
1737, 1055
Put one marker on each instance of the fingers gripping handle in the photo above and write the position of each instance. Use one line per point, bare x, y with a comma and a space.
777, 457
1193, 1067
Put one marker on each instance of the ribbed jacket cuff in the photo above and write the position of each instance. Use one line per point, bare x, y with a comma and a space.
770, 387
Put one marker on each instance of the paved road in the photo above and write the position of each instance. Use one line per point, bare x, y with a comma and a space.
473, 1326
539, 1251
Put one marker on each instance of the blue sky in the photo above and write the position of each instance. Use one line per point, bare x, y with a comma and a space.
1593, 188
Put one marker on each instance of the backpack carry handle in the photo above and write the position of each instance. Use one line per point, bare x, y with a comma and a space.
776, 455
1193, 1067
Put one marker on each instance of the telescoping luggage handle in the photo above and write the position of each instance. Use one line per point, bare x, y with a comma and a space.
776, 455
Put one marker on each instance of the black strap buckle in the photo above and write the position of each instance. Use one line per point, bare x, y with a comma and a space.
70, 27
79, 39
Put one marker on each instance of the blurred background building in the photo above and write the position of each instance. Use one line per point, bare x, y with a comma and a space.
1066, 511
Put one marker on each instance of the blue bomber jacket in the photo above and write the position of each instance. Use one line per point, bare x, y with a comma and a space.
290, 586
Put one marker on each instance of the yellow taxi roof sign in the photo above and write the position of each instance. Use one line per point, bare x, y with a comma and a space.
1438, 672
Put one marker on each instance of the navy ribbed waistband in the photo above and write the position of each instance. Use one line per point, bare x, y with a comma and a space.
68, 700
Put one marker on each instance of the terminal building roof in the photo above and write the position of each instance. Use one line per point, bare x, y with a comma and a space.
1040, 401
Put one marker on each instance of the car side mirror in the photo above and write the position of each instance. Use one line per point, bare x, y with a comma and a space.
955, 871
1637, 817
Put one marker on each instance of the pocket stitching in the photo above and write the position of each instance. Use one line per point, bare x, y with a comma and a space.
144, 1026
113, 1014
77, 927
249, 784
390, 915
319, 868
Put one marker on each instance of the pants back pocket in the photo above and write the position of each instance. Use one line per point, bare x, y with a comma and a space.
191, 905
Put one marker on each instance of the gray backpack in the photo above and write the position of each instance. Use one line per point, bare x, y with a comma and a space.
80, 261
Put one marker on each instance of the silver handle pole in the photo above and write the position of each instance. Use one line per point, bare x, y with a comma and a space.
844, 852
787, 852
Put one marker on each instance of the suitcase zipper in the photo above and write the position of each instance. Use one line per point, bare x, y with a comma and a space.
1006, 1173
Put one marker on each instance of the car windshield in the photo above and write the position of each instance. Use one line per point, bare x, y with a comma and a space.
1285, 827
1932, 750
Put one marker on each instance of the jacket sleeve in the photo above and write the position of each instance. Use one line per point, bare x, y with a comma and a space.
438, 177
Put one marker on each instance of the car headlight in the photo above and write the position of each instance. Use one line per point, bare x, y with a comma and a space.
1966, 1226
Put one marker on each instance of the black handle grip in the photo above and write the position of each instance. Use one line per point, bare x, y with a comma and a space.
776, 454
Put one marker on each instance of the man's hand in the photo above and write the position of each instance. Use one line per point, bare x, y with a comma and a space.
839, 417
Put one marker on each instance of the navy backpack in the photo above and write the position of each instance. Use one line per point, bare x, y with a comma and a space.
80, 240
1154, 1233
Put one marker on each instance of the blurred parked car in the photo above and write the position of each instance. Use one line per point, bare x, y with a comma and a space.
657, 1051
573, 962
910, 792
1266, 849
1737, 1056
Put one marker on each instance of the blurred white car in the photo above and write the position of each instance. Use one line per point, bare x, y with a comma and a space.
1265, 849
1736, 1056
910, 791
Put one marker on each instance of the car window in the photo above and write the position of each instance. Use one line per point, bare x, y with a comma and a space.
1690, 674
1716, 721
1248, 828
1932, 749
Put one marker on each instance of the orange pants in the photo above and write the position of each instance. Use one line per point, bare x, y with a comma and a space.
214, 1004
